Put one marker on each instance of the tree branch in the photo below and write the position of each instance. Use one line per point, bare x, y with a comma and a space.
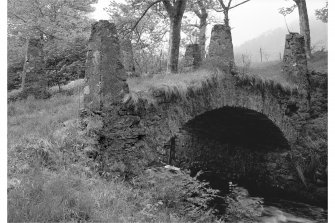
180, 8
202, 8
18, 17
196, 11
168, 6
145, 11
193, 25
229, 3
39, 9
218, 10
222, 4
239, 4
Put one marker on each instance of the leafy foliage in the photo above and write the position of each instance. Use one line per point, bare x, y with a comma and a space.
322, 14
177, 193
50, 19
65, 61
13, 76
64, 29
287, 10
241, 207
148, 35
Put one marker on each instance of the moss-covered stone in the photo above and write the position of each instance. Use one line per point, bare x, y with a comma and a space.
105, 74
34, 81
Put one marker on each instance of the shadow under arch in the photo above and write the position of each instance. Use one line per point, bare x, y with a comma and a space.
240, 126
230, 144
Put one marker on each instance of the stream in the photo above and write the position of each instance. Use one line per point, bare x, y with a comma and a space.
271, 207
277, 210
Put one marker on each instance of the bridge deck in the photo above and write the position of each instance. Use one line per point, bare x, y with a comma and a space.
179, 84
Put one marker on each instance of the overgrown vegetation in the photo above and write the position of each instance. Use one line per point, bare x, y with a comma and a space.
50, 177
178, 85
169, 85
243, 208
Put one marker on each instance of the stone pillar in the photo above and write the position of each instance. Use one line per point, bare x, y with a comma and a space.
34, 81
105, 74
295, 60
192, 57
221, 45
127, 56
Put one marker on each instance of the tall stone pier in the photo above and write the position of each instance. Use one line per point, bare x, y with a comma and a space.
221, 45
295, 60
127, 56
105, 74
34, 81
192, 57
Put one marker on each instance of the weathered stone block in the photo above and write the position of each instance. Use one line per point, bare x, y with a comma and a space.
221, 45
192, 56
34, 81
105, 74
127, 56
295, 60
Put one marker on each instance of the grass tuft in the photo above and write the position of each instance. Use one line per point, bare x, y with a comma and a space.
168, 86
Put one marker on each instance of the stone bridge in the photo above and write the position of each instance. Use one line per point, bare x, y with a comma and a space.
131, 130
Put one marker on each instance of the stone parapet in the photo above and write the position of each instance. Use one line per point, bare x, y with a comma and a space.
192, 57
34, 81
105, 73
221, 45
295, 60
127, 56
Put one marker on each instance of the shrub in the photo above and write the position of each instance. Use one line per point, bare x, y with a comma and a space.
241, 207
177, 195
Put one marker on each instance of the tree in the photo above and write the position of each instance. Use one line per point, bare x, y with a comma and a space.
49, 19
304, 25
322, 14
303, 22
146, 24
225, 32
58, 23
200, 9
225, 7
175, 11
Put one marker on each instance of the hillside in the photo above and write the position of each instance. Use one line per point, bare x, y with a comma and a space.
272, 42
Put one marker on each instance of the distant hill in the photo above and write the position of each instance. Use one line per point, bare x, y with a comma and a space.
272, 42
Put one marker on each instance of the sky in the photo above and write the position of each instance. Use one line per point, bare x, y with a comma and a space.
248, 20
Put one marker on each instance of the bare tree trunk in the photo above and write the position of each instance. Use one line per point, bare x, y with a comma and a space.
174, 42
226, 17
201, 12
202, 36
304, 25
175, 12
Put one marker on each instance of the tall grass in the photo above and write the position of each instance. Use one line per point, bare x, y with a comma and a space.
37, 125
50, 178
167, 86
177, 85
180, 81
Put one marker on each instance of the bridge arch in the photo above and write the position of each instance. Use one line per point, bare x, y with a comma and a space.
240, 126
227, 92
230, 144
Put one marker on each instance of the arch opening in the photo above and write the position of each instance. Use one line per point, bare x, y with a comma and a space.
232, 144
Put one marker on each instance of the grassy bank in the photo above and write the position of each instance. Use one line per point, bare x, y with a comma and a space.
50, 178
